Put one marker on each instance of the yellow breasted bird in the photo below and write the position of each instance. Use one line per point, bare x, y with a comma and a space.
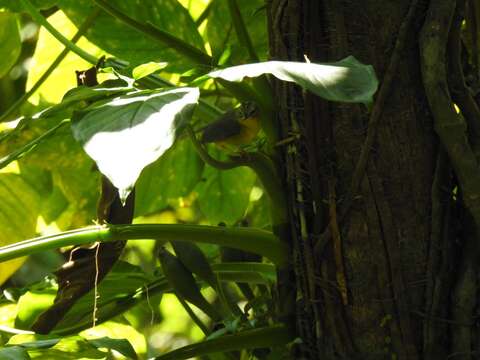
235, 128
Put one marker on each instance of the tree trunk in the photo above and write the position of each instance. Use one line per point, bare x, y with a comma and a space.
395, 278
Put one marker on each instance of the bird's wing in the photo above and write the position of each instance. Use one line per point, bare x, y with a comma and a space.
221, 129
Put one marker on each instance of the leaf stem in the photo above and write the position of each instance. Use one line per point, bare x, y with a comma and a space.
247, 239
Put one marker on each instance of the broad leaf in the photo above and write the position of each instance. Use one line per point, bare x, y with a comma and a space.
32, 304
10, 44
275, 335
120, 345
223, 196
16, 6
63, 78
146, 69
126, 43
172, 176
347, 80
19, 208
221, 34
74, 347
249, 272
127, 133
121, 283
14, 353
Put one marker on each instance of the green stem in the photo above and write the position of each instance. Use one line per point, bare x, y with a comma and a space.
247, 239
163, 37
81, 30
33, 12
30, 146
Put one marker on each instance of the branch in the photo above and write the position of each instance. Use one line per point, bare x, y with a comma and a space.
247, 239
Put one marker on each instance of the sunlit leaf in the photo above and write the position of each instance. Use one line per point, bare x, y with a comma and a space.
120, 345
146, 69
32, 304
346, 80
172, 176
222, 36
10, 44
131, 45
47, 49
276, 335
131, 131
19, 208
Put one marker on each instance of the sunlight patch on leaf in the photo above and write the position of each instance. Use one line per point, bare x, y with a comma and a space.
347, 80
146, 69
125, 134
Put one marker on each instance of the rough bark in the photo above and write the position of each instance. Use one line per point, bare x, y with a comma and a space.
382, 244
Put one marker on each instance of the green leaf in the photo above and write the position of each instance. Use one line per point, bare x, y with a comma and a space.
16, 6
32, 304
222, 36
275, 335
14, 353
19, 208
63, 78
224, 195
70, 348
10, 43
172, 176
146, 69
347, 80
131, 45
256, 273
127, 133
72, 173
120, 284
120, 345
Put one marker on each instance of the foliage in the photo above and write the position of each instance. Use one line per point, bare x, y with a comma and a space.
159, 81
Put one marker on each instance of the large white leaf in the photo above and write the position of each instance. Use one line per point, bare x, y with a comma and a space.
347, 80
125, 134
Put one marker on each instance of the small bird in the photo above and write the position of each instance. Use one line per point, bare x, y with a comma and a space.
235, 128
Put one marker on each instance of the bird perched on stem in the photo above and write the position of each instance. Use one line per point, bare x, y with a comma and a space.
235, 128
